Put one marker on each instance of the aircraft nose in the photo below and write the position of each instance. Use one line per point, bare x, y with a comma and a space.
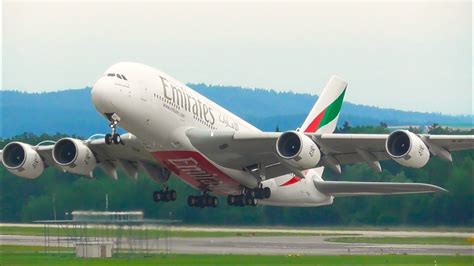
101, 95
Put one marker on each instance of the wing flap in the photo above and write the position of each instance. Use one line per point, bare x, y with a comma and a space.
343, 188
451, 142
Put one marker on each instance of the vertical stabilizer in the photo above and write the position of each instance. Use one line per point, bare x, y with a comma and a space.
325, 113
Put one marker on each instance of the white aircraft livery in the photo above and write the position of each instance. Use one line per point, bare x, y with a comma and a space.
173, 130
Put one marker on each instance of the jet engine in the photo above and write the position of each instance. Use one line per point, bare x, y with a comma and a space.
407, 149
298, 150
73, 156
22, 160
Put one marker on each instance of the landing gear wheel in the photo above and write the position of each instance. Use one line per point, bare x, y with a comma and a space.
116, 139
267, 192
108, 139
160, 196
259, 193
202, 202
166, 196
249, 196
241, 201
173, 195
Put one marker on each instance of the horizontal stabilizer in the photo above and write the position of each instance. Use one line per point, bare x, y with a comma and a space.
343, 188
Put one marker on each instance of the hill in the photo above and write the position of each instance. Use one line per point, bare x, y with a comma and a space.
72, 112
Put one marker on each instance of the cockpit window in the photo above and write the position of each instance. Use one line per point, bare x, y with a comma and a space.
120, 76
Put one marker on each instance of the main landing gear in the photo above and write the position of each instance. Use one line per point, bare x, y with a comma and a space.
203, 201
249, 196
164, 195
114, 137
241, 200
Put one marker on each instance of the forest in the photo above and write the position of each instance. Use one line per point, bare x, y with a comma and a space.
56, 194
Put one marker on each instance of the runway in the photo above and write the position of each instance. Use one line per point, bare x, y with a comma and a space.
303, 245
268, 245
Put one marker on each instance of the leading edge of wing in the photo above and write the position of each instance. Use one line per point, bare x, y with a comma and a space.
346, 188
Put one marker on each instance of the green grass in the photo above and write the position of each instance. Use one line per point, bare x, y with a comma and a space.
152, 233
405, 240
39, 259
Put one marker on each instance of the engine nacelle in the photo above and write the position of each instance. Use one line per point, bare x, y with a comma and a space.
73, 156
22, 160
298, 150
407, 149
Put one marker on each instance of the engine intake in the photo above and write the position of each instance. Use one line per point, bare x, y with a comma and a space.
22, 160
407, 149
298, 150
74, 156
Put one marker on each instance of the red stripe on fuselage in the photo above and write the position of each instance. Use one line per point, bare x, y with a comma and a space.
193, 168
293, 180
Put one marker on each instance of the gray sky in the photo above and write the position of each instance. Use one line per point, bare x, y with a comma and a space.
411, 56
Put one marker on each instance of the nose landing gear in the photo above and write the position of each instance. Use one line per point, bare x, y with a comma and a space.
114, 137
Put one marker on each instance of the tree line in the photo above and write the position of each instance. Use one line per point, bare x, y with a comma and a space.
58, 193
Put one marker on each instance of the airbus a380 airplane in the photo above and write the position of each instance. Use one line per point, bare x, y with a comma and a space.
175, 130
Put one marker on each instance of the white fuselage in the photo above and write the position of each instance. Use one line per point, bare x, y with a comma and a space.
158, 109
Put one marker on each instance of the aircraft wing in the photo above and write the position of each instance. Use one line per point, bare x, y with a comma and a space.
244, 150
131, 156
347, 148
343, 188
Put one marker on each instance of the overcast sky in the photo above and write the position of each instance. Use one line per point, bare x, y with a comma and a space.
411, 56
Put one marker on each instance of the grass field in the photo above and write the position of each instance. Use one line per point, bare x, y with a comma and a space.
102, 232
405, 240
38, 259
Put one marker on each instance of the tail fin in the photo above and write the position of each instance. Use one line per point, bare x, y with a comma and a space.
325, 113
